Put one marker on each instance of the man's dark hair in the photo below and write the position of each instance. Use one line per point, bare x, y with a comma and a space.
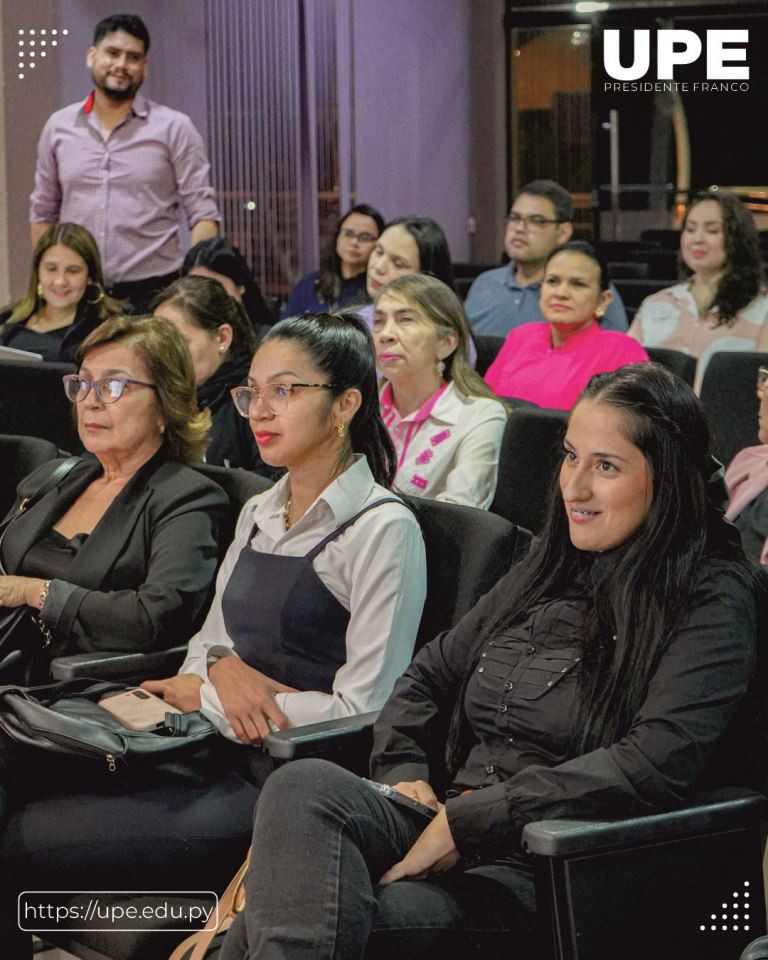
122, 21
561, 199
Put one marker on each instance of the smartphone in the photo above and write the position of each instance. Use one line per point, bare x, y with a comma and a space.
137, 709
400, 799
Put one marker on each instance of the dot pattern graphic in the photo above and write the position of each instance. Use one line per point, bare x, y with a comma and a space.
32, 43
740, 921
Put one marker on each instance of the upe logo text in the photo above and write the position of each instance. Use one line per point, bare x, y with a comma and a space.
677, 48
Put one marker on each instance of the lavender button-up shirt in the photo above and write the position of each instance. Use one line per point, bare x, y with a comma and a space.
128, 189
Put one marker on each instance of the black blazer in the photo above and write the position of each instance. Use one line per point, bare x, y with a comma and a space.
144, 576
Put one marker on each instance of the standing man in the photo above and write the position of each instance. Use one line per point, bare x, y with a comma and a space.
540, 219
124, 167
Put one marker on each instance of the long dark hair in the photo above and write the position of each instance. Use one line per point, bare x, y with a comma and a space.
434, 252
207, 305
220, 256
640, 595
340, 345
329, 279
743, 275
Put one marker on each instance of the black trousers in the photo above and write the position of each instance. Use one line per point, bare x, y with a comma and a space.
141, 294
65, 825
322, 838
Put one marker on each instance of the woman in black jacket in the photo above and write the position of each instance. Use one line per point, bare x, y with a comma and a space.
221, 341
608, 675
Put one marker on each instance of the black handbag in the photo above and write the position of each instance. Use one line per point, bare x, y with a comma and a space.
65, 718
14, 651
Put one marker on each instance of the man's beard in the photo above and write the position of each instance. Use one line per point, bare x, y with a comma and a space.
118, 95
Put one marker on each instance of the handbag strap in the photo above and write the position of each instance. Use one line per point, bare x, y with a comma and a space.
45, 487
231, 903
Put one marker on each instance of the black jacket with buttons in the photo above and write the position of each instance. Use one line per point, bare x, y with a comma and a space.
694, 730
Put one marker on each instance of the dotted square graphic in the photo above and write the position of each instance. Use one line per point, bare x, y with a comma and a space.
735, 921
34, 45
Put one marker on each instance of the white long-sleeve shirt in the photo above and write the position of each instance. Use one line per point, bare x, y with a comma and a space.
376, 569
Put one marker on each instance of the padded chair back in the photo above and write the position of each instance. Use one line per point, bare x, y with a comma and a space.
239, 485
633, 292
667, 239
728, 394
18, 457
531, 453
33, 404
468, 550
487, 349
683, 364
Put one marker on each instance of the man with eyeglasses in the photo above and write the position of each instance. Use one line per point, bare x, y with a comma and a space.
125, 167
540, 219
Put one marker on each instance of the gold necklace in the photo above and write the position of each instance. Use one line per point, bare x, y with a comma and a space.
287, 513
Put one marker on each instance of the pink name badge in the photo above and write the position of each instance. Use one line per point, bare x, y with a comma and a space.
419, 482
425, 456
439, 437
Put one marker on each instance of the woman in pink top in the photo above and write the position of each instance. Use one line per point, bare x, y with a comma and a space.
550, 363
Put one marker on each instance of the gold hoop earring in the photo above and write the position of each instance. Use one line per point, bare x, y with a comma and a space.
340, 430
100, 292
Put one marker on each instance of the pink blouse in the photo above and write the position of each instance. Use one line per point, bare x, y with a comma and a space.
528, 367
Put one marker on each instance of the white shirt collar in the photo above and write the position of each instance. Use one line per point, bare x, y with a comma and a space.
340, 500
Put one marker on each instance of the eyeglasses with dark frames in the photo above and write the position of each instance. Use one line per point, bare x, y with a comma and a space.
108, 389
534, 220
275, 395
350, 234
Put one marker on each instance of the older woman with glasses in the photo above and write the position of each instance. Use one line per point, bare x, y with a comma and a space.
121, 553
747, 482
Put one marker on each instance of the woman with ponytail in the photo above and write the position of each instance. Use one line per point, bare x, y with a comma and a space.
610, 674
319, 597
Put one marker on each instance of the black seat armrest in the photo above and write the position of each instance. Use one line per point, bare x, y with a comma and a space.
315, 739
114, 665
718, 810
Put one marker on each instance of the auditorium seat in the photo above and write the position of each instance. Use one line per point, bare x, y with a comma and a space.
530, 456
628, 270
728, 394
462, 285
20, 456
683, 364
487, 350
667, 239
633, 292
33, 404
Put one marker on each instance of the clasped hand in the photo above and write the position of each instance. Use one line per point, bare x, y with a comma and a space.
17, 591
434, 851
247, 696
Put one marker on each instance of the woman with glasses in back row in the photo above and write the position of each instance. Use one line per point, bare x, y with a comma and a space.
340, 281
121, 553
